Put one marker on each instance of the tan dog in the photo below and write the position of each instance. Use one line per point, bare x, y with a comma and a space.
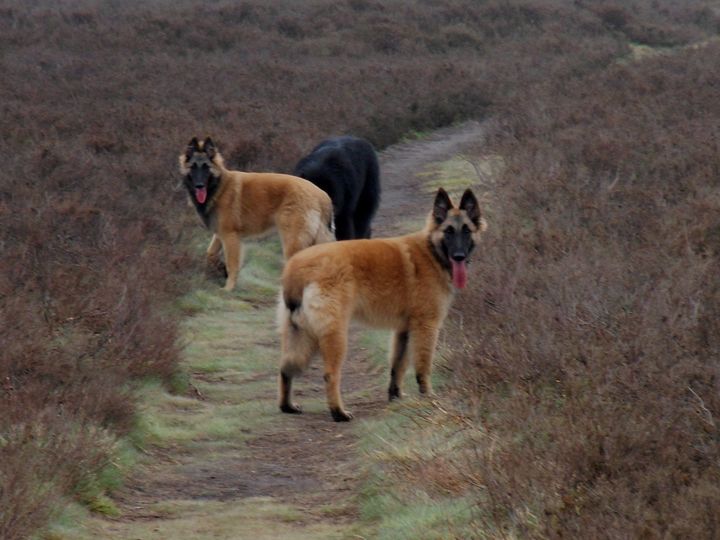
404, 283
236, 205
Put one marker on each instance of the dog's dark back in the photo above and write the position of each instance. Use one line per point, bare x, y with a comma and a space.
347, 169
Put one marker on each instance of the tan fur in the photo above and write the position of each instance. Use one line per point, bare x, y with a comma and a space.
250, 204
396, 283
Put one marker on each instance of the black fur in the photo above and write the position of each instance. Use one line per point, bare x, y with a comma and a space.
457, 242
440, 256
286, 406
340, 416
421, 383
461, 240
394, 388
441, 206
204, 210
469, 203
291, 303
200, 176
347, 169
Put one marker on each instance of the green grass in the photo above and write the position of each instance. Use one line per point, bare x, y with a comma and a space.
397, 501
640, 52
424, 519
415, 135
66, 523
230, 339
91, 492
461, 172
169, 420
259, 518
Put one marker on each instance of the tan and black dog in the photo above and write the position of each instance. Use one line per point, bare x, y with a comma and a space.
236, 205
404, 283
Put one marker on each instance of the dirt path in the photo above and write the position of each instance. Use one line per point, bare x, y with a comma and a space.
400, 166
223, 462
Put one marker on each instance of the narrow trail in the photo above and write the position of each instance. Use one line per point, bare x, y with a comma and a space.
224, 462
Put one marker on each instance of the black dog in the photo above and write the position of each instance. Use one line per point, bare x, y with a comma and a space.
347, 169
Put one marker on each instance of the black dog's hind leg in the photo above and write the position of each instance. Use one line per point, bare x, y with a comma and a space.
367, 205
344, 227
362, 225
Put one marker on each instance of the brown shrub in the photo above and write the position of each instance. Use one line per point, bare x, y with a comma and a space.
596, 314
98, 99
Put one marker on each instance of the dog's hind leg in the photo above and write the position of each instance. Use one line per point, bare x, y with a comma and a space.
422, 340
398, 363
362, 217
367, 203
362, 227
344, 227
333, 346
297, 233
233, 259
292, 243
298, 348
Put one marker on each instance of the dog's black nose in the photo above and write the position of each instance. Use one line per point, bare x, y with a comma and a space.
458, 256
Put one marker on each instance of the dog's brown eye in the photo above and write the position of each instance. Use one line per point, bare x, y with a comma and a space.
450, 230
465, 229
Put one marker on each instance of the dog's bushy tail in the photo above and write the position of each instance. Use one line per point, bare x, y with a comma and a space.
298, 344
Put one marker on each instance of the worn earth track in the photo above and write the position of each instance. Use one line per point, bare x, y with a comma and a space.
269, 475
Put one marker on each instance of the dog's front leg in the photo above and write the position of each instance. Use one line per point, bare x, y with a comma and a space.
233, 256
422, 341
212, 255
398, 363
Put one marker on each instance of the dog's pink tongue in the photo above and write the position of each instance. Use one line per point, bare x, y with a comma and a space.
459, 274
201, 194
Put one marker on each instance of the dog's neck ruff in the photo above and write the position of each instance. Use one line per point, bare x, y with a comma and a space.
441, 258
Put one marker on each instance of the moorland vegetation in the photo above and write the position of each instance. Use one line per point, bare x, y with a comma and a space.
595, 321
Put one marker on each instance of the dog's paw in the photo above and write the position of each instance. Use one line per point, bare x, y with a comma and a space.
394, 392
229, 286
215, 270
340, 415
290, 408
424, 385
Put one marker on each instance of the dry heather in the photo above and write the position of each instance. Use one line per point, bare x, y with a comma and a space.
97, 98
596, 326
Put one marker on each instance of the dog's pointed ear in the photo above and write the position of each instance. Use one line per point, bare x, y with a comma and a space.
191, 147
442, 205
469, 204
209, 148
